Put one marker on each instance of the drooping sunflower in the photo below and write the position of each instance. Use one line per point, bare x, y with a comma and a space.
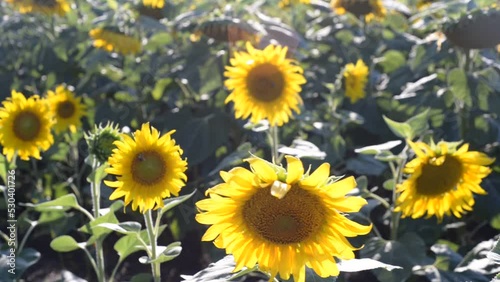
355, 79
148, 167
158, 4
287, 3
368, 8
115, 42
66, 108
442, 180
47, 7
281, 219
264, 84
25, 126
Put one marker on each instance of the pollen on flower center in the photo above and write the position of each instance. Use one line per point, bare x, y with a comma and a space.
292, 219
438, 179
148, 167
359, 7
26, 126
65, 109
46, 3
265, 82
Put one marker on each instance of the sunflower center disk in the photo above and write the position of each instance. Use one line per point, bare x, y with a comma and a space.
148, 167
26, 126
359, 7
46, 3
65, 109
266, 82
438, 179
289, 220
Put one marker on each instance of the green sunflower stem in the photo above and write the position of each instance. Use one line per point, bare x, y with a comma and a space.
398, 177
155, 266
274, 143
95, 190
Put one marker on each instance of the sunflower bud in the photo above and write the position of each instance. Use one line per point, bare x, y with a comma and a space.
101, 139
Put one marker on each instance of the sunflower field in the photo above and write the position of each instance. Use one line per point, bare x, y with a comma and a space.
269, 140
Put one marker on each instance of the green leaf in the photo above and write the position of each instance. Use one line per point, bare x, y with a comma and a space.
219, 271
389, 184
457, 82
99, 174
126, 227
233, 159
401, 129
160, 86
376, 149
98, 232
130, 243
24, 260
65, 244
158, 40
494, 254
142, 277
495, 222
169, 203
392, 60
362, 183
50, 216
63, 203
355, 265
168, 253
419, 123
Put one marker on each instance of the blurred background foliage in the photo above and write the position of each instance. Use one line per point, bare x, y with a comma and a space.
176, 82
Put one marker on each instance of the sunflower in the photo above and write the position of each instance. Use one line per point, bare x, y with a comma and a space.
25, 126
442, 180
287, 3
48, 7
154, 3
115, 42
281, 219
355, 79
264, 84
148, 167
369, 8
66, 108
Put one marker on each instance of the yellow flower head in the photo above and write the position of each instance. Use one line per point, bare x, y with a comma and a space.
281, 219
66, 108
442, 180
287, 3
148, 167
114, 41
369, 8
154, 3
355, 79
25, 126
264, 84
47, 7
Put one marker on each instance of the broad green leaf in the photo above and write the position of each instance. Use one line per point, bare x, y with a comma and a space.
419, 123
495, 222
130, 243
387, 156
50, 216
494, 254
303, 149
142, 277
362, 182
457, 82
167, 253
233, 159
169, 203
220, 271
389, 184
99, 174
355, 265
65, 244
63, 203
401, 129
126, 227
98, 232
160, 86
23, 261
375, 149
392, 60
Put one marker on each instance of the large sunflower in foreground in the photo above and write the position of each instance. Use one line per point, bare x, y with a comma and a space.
281, 219
442, 180
25, 126
66, 108
115, 42
154, 3
48, 7
368, 8
148, 167
355, 79
264, 84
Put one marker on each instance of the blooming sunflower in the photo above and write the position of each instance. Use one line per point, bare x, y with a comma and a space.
148, 167
369, 8
282, 219
154, 3
442, 180
264, 84
48, 7
355, 79
25, 126
66, 108
115, 42
287, 3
